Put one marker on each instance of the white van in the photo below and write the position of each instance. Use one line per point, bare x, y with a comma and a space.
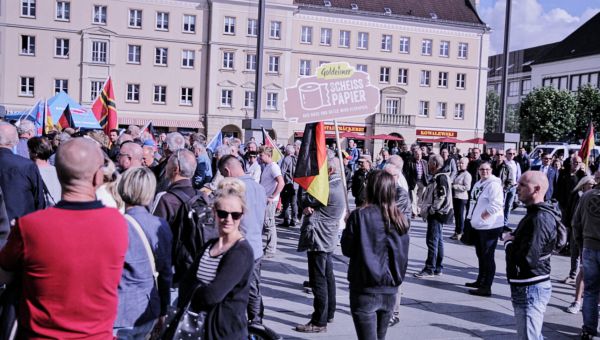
557, 150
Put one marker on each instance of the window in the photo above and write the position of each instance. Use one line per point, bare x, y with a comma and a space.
513, 88
326, 36
441, 110
391, 106
99, 15
344, 38
249, 99
27, 86
135, 18
461, 80
426, 47
306, 35
525, 86
459, 111
27, 45
28, 9
363, 40
425, 78
361, 67
403, 76
162, 21
99, 52
384, 75
305, 67
228, 60
226, 98
252, 27
133, 93
423, 108
272, 99
443, 79
61, 85
444, 49
273, 64
160, 56
95, 89
61, 48
63, 10
463, 50
134, 53
187, 58
229, 25
189, 23
160, 94
275, 31
186, 96
250, 62
404, 45
386, 42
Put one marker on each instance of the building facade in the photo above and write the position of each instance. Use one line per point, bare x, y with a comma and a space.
193, 63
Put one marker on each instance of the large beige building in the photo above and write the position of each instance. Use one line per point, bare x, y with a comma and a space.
192, 63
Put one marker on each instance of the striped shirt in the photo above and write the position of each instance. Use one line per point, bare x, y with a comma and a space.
207, 270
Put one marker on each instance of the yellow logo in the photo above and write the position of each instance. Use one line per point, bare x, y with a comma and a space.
335, 71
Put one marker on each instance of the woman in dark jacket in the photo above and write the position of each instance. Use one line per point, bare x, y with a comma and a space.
218, 281
376, 241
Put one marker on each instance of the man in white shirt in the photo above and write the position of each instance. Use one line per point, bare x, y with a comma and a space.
511, 193
272, 181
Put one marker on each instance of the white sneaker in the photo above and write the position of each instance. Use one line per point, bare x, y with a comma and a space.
574, 308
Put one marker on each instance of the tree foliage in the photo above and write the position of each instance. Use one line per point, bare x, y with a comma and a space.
549, 114
588, 108
492, 111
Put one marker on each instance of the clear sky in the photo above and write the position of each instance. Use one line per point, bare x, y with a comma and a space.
535, 22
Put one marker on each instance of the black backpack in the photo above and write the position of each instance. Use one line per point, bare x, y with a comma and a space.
193, 226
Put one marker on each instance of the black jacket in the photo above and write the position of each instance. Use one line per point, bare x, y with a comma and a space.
359, 186
411, 173
378, 260
528, 255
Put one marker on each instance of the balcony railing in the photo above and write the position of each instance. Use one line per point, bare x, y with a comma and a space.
394, 119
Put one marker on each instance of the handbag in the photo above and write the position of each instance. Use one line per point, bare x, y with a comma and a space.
190, 325
468, 235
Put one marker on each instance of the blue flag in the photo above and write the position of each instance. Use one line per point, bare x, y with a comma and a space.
215, 142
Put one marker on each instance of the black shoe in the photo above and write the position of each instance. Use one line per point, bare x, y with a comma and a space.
585, 335
306, 284
481, 292
438, 273
310, 328
393, 321
473, 284
330, 320
423, 273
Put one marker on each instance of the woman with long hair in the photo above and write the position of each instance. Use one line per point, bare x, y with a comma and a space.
376, 241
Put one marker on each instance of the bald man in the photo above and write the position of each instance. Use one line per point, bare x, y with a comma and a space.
75, 253
528, 252
130, 156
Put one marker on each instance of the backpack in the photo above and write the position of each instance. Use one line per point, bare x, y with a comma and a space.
562, 235
193, 226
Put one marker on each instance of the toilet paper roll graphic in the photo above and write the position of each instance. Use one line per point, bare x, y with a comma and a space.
313, 96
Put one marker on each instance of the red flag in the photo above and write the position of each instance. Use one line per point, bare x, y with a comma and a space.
104, 108
588, 145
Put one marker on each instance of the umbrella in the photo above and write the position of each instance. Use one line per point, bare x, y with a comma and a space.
477, 140
351, 135
386, 137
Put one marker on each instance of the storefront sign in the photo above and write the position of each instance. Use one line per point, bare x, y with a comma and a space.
336, 91
346, 128
436, 133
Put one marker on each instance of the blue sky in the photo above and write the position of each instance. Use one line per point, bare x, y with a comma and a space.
535, 22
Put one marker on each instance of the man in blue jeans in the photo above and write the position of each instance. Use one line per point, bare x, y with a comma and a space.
586, 229
528, 252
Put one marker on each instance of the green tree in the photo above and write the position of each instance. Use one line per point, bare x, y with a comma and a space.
548, 114
512, 118
588, 107
492, 111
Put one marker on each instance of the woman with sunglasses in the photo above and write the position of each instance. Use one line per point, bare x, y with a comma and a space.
218, 281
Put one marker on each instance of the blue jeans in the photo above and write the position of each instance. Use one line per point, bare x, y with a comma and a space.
529, 303
322, 282
591, 288
371, 314
134, 333
509, 199
435, 246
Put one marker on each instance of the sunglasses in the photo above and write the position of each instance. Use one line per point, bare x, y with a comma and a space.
234, 214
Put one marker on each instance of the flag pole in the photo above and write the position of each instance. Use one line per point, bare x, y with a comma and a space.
342, 167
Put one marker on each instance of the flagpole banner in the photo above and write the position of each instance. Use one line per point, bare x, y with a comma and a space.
104, 107
588, 145
267, 141
311, 168
336, 91
215, 142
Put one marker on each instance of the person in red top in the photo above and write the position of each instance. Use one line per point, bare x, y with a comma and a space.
70, 256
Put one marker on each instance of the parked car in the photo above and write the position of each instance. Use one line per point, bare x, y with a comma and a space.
557, 150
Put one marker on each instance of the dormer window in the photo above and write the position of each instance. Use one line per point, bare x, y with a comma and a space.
354, 7
388, 11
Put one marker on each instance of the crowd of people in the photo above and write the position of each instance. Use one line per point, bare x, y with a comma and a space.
105, 235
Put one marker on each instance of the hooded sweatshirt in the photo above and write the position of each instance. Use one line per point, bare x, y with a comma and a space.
487, 196
586, 220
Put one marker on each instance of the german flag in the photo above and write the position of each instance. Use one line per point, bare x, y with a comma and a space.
588, 145
66, 120
267, 141
104, 108
311, 169
48, 122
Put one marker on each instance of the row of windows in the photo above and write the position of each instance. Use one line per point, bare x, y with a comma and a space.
572, 82
441, 110
99, 52
424, 79
100, 14
226, 99
186, 94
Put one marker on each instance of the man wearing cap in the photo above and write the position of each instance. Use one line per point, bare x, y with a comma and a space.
359, 180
